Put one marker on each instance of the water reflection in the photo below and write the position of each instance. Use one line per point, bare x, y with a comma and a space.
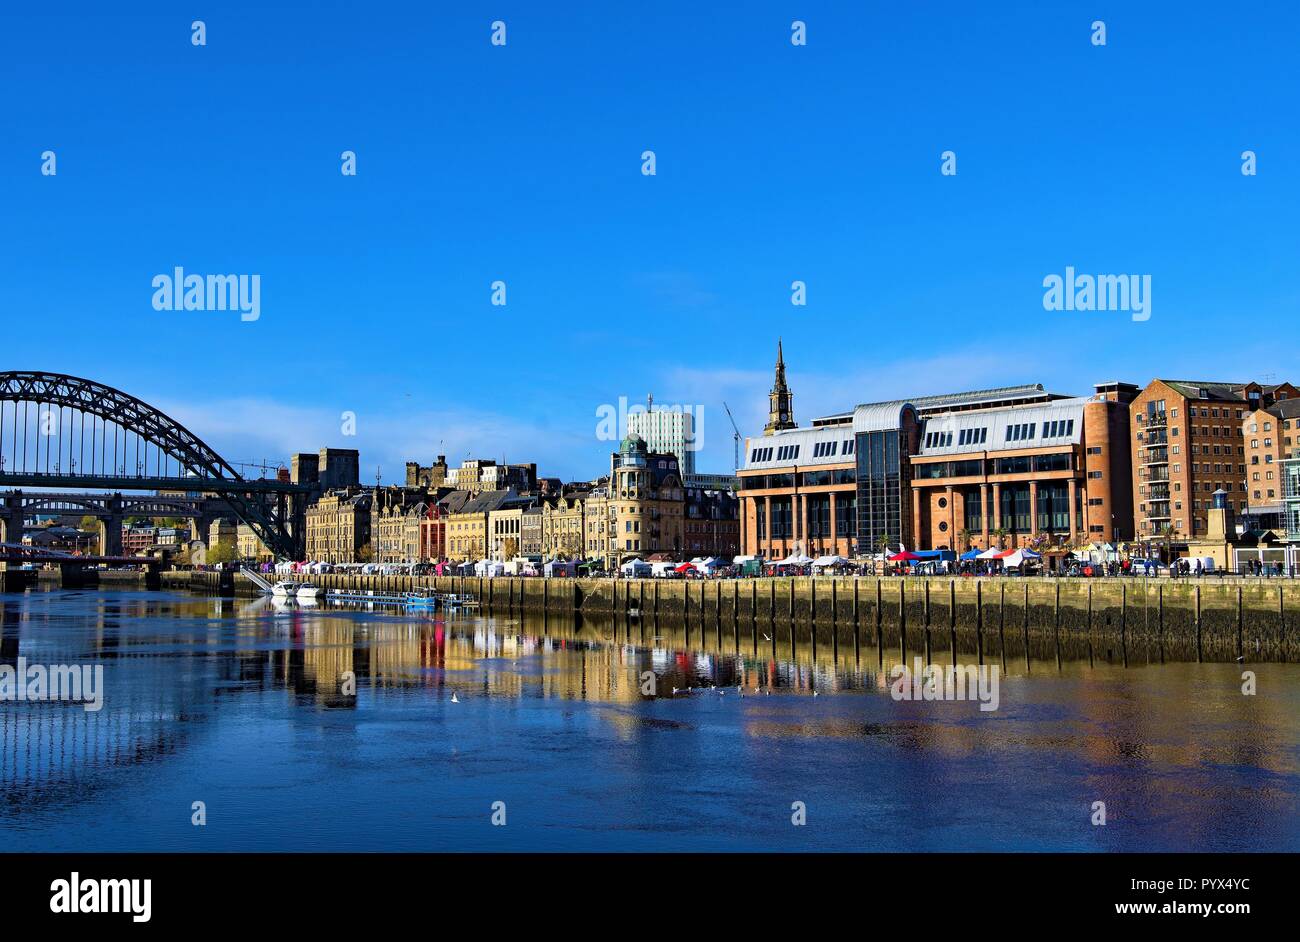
275, 709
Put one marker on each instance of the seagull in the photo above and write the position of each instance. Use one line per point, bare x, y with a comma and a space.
815, 694
453, 697
674, 691
766, 636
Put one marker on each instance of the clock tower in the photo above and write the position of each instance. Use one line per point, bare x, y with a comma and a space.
780, 415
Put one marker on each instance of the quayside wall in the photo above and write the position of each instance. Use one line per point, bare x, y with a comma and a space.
1186, 619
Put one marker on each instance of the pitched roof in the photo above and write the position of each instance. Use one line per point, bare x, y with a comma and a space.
453, 502
1191, 388
1286, 409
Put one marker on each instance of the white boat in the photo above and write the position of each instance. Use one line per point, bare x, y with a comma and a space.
307, 591
285, 589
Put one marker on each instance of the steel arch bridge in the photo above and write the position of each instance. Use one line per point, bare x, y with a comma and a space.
71, 433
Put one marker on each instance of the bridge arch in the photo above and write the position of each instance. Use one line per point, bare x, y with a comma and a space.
93, 435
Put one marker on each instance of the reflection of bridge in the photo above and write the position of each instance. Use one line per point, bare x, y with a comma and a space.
59, 431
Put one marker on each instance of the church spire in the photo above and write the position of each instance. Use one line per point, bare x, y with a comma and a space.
780, 414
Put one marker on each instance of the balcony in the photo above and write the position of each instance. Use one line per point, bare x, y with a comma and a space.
1157, 420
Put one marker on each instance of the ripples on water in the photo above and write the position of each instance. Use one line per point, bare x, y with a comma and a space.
243, 706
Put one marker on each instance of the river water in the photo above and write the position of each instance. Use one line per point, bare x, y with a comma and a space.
246, 708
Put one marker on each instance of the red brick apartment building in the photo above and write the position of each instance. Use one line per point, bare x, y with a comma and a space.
1189, 440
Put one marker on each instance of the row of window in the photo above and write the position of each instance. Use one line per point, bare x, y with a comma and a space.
966, 436
791, 452
830, 449
1058, 428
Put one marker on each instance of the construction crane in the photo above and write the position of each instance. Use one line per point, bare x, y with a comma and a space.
737, 437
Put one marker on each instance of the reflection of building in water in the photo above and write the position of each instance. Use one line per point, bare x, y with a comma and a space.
399, 655
320, 662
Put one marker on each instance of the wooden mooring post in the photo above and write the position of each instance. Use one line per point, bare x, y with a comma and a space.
1002, 623
812, 615
1198, 624
1056, 629
857, 647
1123, 622
1025, 617
926, 619
1281, 624
1241, 624
952, 619
902, 621
880, 637
835, 634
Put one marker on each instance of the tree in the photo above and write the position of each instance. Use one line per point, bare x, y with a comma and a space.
89, 523
1000, 534
364, 553
509, 548
222, 553
1166, 534
963, 535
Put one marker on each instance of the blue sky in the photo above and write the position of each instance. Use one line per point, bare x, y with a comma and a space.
522, 163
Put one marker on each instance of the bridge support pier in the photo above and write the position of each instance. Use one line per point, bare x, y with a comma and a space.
110, 528
77, 576
153, 577
13, 517
201, 527
297, 524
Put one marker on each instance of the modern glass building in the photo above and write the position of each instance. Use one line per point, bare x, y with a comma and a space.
1291, 496
885, 436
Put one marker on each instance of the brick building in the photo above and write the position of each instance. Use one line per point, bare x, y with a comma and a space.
1270, 436
843, 486
1024, 476
1188, 442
